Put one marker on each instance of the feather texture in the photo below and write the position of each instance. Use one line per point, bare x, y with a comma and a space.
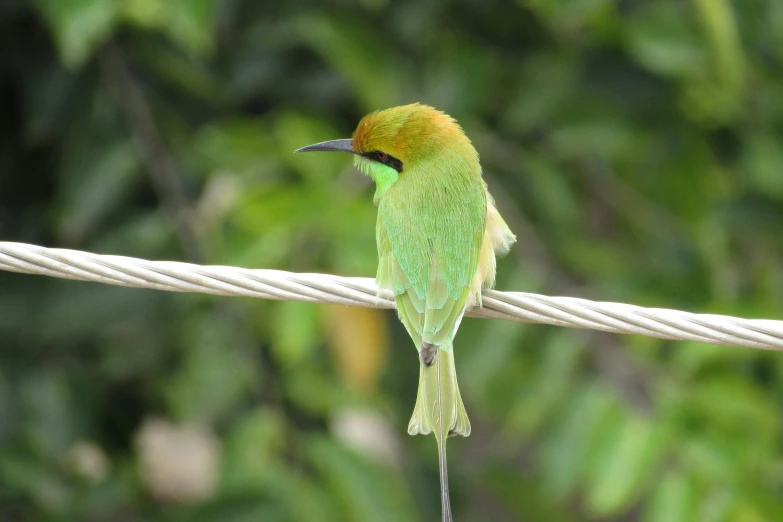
437, 235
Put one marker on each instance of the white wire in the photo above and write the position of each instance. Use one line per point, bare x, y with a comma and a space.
359, 291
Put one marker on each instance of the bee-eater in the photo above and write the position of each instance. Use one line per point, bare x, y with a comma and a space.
437, 235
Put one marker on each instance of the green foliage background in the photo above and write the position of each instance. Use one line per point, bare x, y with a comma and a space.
634, 146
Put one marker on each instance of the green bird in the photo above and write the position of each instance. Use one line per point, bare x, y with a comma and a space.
437, 235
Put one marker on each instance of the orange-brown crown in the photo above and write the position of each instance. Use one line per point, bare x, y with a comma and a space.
409, 132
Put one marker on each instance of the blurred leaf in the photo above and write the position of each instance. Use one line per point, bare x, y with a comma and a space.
22, 472
254, 465
80, 26
52, 419
252, 455
598, 135
763, 161
190, 23
569, 15
457, 81
367, 493
566, 454
661, 36
718, 20
736, 407
552, 382
183, 71
546, 83
550, 188
313, 391
359, 340
216, 374
139, 236
360, 55
146, 13
239, 510
673, 500
524, 494
187, 22
244, 146
296, 332
94, 182
631, 451
49, 104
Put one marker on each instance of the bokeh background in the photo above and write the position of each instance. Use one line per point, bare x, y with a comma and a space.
633, 146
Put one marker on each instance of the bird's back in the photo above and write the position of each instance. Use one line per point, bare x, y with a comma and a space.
430, 229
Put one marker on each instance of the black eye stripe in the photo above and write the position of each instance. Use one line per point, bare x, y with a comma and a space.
390, 160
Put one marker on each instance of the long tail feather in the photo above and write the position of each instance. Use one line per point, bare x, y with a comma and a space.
424, 419
439, 410
445, 501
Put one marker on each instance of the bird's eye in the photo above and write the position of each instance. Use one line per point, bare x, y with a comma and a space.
382, 156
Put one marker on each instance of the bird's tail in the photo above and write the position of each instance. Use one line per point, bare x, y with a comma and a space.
439, 409
427, 411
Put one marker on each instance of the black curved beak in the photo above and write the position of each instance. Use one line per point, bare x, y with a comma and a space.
334, 145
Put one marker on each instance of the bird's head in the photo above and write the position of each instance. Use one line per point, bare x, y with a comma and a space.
393, 143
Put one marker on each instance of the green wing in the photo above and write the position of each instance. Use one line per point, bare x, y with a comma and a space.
429, 238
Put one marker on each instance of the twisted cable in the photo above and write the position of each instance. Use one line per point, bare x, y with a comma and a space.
360, 291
